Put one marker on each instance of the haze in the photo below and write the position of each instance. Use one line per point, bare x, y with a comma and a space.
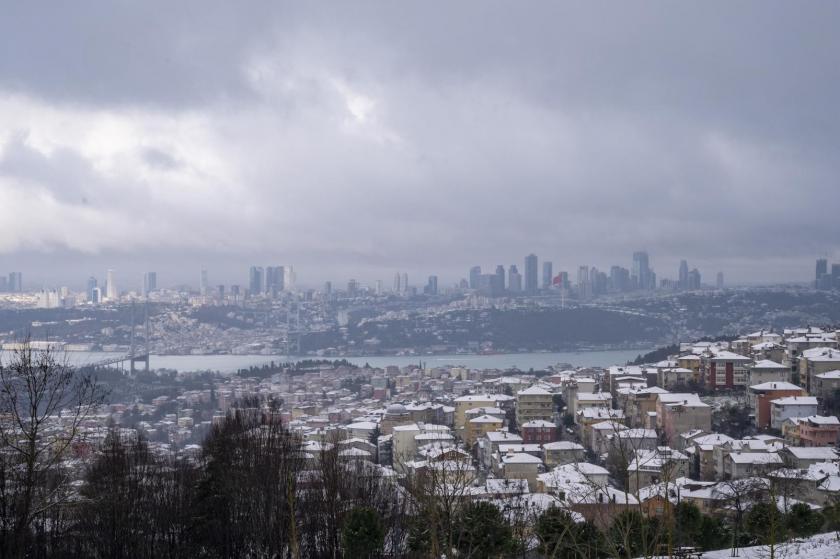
357, 139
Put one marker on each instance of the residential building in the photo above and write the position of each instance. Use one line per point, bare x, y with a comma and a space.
791, 406
760, 396
534, 403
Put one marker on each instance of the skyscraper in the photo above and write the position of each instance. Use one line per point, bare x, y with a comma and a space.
641, 270
531, 273
547, 275
92, 284
289, 278
514, 280
15, 282
111, 286
619, 279
405, 282
149, 282
275, 280
682, 283
500, 279
204, 284
719, 281
822, 270
475, 274
694, 279
397, 283
583, 284
255, 281
432, 286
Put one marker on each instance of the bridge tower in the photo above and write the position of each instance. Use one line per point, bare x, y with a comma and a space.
142, 355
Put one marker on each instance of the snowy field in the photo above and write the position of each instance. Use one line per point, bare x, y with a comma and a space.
821, 546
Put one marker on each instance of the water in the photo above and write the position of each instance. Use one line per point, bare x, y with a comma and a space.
227, 364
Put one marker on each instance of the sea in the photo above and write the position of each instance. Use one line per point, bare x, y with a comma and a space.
229, 364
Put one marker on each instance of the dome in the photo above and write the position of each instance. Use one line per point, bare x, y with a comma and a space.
396, 409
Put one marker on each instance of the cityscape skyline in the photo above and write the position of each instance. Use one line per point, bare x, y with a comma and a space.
589, 280
354, 155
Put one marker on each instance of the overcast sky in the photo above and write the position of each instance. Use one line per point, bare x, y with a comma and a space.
353, 139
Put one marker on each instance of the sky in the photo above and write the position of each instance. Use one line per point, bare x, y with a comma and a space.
355, 139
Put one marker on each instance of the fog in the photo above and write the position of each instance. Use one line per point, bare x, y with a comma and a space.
358, 139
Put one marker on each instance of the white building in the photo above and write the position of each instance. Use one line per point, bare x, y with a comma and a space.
791, 406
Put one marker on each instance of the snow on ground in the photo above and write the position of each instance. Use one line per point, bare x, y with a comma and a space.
821, 546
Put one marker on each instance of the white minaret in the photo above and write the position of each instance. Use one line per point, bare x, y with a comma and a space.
110, 287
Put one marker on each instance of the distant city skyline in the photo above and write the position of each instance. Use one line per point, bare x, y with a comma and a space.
417, 142
280, 276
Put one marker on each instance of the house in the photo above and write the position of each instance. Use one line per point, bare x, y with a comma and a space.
584, 488
768, 351
760, 396
519, 465
791, 406
562, 452
815, 430
590, 417
724, 369
725, 446
642, 402
739, 465
599, 435
766, 370
470, 401
654, 466
654, 498
814, 361
804, 456
826, 384
534, 403
539, 431
703, 454
488, 445
678, 413
477, 427
585, 400
674, 377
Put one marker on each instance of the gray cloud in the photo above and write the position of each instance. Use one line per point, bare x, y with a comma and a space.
356, 138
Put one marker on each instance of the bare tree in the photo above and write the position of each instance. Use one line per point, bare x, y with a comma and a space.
43, 405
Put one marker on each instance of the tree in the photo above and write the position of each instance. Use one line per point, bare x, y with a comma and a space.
43, 405
632, 535
483, 531
561, 537
713, 533
803, 521
362, 534
761, 521
688, 523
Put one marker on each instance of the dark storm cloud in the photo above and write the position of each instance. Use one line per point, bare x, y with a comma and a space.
355, 138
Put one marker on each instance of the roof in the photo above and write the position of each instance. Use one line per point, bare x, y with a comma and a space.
821, 354
823, 453
830, 375
795, 401
534, 391
775, 385
562, 445
497, 436
594, 396
520, 458
538, 423
476, 398
768, 364
486, 419
363, 425
729, 356
755, 458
